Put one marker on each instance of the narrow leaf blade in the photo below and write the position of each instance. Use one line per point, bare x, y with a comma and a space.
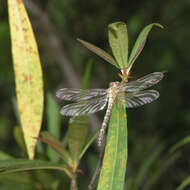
179, 144
87, 75
53, 116
145, 166
54, 143
53, 121
118, 40
5, 156
28, 74
18, 135
18, 165
112, 175
100, 52
140, 43
185, 183
88, 143
77, 135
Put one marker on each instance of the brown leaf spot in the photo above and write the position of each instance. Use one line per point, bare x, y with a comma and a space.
31, 51
19, 1
20, 110
25, 29
16, 27
31, 101
17, 92
27, 78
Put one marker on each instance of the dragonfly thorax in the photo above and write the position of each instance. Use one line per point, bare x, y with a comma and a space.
113, 90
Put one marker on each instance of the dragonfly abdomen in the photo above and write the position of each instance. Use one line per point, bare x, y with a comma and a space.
105, 122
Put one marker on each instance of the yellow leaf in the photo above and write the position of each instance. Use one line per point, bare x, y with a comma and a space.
28, 74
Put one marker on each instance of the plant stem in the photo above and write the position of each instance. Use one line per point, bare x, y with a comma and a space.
74, 182
98, 169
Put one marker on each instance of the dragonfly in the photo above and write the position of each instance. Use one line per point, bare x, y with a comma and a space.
90, 101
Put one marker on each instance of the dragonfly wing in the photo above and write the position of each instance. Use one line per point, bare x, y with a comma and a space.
140, 98
144, 82
78, 94
85, 107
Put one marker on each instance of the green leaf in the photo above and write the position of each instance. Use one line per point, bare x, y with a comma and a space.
88, 143
181, 143
53, 116
118, 40
139, 44
99, 52
18, 134
113, 171
18, 181
5, 156
28, 74
57, 146
185, 183
145, 166
15, 109
77, 135
18, 165
161, 165
87, 75
53, 121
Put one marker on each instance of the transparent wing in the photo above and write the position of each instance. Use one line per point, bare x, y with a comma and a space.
85, 107
143, 82
79, 94
136, 99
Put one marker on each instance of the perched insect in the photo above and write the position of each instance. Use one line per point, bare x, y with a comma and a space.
94, 100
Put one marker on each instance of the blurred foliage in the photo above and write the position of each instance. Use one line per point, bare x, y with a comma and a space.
153, 129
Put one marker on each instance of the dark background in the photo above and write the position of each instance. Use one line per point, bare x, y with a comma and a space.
154, 128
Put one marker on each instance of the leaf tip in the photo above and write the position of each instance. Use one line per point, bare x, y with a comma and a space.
159, 25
